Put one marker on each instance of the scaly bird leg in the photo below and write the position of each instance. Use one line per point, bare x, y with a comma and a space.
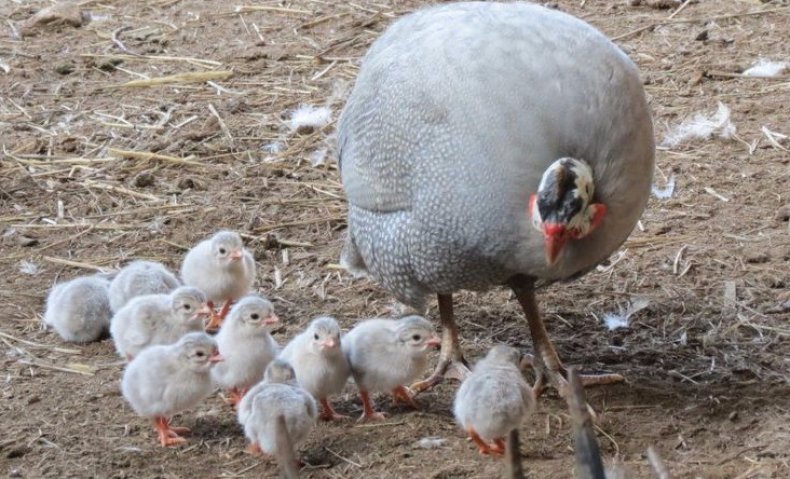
328, 413
548, 367
368, 413
451, 360
168, 436
482, 446
235, 395
215, 320
402, 396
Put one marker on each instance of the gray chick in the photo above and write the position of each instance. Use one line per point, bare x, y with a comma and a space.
79, 310
222, 268
166, 379
139, 278
157, 319
385, 355
277, 395
321, 367
493, 400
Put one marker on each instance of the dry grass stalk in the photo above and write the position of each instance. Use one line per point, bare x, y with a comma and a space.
178, 78
146, 155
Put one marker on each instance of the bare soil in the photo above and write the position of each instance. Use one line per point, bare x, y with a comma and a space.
707, 360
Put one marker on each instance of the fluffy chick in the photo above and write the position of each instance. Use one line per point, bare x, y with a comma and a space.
320, 365
493, 400
157, 319
385, 354
140, 278
222, 268
79, 310
245, 343
277, 395
165, 379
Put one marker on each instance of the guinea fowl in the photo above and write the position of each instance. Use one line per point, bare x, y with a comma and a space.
79, 310
491, 144
139, 278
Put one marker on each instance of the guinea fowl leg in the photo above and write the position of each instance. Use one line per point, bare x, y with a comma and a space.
402, 396
215, 320
482, 446
368, 413
451, 360
328, 413
168, 436
235, 395
548, 367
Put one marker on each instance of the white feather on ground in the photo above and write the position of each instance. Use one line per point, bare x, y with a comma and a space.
766, 68
307, 118
621, 319
702, 126
665, 192
29, 267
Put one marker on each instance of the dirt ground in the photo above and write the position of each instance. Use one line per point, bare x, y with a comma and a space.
707, 360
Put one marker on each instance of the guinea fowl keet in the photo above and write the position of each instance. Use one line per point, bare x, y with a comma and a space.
140, 278
491, 144
79, 310
222, 268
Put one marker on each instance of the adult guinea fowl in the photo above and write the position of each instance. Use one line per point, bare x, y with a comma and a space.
492, 144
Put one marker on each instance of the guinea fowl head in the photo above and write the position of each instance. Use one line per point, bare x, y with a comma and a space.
198, 351
279, 372
227, 247
562, 209
189, 303
325, 335
252, 314
417, 335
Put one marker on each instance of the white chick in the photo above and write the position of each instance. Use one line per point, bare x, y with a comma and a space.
385, 354
157, 319
140, 278
245, 343
277, 395
222, 268
493, 400
166, 379
320, 365
79, 310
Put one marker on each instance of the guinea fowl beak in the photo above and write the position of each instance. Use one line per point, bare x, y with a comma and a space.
235, 255
555, 238
272, 319
329, 343
433, 342
215, 357
205, 310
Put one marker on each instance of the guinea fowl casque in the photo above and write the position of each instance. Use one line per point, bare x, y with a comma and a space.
491, 144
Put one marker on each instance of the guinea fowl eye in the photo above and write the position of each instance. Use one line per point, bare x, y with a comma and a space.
315, 336
222, 251
416, 337
254, 316
187, 307
200, 354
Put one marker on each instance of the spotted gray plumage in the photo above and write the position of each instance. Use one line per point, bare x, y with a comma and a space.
456, 113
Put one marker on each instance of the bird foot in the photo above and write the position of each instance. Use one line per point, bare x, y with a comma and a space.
555, 376
401, 395
445, 369
496, 450
254, 449
169, 436
328, 413
370, 416
235, 395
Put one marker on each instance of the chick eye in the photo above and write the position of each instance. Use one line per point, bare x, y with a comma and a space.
416, 337
255, 316
187, 307
200, 354
315, 336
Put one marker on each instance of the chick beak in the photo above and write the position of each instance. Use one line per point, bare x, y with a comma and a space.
554, 237
205, 310
272, 319
328, 343
434, 342
235, 255
215, 357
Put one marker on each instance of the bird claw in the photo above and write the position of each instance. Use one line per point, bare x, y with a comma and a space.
372, 416
445, 369
402, 395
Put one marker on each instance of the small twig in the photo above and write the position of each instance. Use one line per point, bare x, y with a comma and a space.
285, 451
588, 454
117, 41
513, 467
680, 9
55, 368
39, 345
222, 124
344, 459
75, 264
